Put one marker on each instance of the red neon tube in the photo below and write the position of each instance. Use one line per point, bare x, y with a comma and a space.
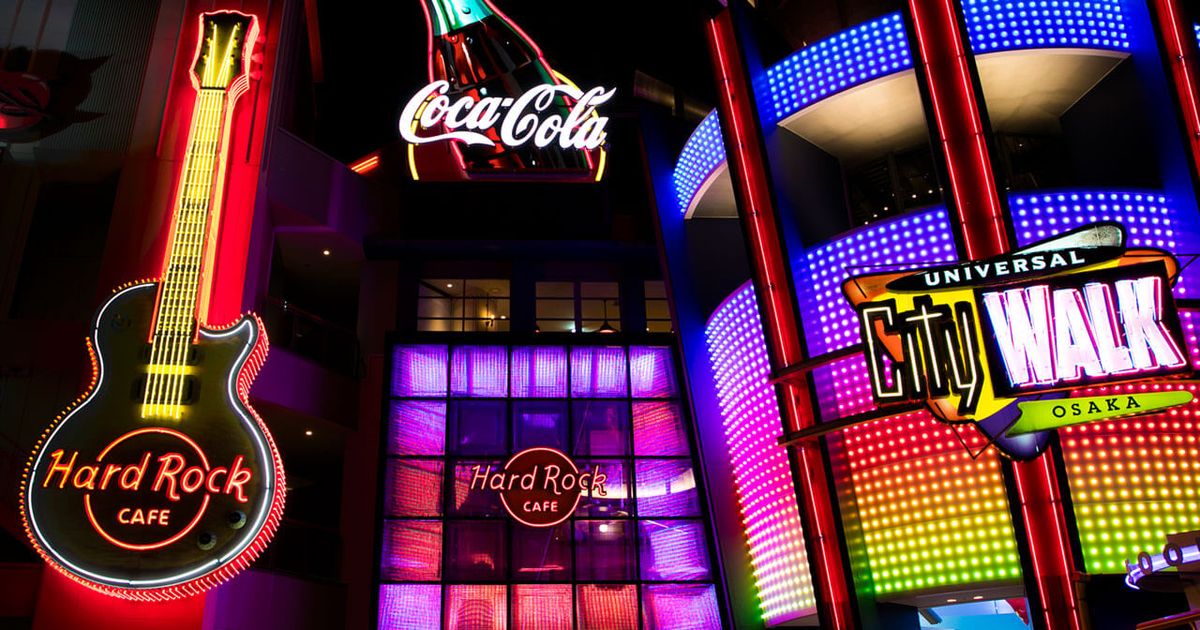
980, 213
776, 300
1182, 62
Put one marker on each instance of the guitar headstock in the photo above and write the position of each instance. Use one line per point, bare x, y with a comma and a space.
225, 47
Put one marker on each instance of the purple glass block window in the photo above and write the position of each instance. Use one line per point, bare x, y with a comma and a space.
478, 427
419, 371
666, 487
542, 606
680, 607
410, 606
607, 606
476, 607
412, 551
476, 551
542, 554
417, 428
658, 429
479, 372
598, 372
413, 488
601, 427
652, 372
673, 551
617, 501
540, 423
604, 550
539, 372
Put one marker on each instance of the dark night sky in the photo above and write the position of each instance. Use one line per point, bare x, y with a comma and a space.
375, 56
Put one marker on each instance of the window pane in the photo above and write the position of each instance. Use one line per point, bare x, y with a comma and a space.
412, 551
419, 371
555, 326
488, 288
413, 488
616, 502
417, 428
439, 325
594, 325
604, 550
607, 607
655, 289
477, 427
601, 309
601, 427
680, 607
652, 372
657, 309
555, 289
439, 307
485, 325
542, 554
598, 289
479, 371
542, 606
666, 487
476, 607
598, 372
441, 288
480, 501
659, 326
476, 550
410, 606
540, 424
556, 309
539, 372
658, 429
673, 550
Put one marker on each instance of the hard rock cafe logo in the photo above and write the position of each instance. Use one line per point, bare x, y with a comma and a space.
540, 487
141, 496
1002, 342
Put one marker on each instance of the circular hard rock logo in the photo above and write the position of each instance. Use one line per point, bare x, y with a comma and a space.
539, 487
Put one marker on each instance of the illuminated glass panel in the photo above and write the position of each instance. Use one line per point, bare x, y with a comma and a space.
673, 551
851, 57
607, 606
410, 606
1134, 480
761, 473
419, 371
666, 487
1014, 24
702, 155
680, 607
598, 372
476, 607
413, 488
479, 371
652, 372
412, 551
542, 606
539, 372
417, 427
932, 517
658, 429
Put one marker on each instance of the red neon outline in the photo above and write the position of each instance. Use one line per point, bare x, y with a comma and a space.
1178, 53
574, 470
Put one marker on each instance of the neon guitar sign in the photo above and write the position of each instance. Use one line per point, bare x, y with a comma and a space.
161, 481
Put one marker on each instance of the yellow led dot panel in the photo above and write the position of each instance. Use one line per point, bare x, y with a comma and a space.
932, 517
1135, 480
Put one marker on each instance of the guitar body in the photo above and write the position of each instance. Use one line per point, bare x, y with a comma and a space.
155, 507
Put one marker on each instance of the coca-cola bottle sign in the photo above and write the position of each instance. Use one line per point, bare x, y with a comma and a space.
494, 109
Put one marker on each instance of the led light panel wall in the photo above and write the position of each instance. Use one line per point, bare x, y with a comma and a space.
761, 473
1008, 24
702, 155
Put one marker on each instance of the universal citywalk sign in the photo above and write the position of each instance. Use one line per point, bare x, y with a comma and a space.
1004, 342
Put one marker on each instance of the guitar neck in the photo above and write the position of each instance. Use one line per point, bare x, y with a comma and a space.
183, 268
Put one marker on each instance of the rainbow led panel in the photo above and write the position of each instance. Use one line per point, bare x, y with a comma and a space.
761, 473
852, 57
703, 153
1013, 24
932, 517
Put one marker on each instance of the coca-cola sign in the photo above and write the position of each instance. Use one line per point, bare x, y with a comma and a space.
540, 487
533, 117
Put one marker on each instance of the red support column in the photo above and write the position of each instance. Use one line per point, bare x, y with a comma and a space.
1179, 52
831, 574
980, 213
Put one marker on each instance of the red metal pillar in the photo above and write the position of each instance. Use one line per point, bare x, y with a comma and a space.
1178, 49
831, 573
957, 106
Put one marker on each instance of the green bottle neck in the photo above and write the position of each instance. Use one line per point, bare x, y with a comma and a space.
451, 15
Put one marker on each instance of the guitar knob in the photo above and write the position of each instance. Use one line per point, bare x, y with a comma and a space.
236, 519
206, 541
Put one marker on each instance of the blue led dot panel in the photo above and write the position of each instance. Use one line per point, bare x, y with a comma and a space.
1008, 25
867, 51
701, 156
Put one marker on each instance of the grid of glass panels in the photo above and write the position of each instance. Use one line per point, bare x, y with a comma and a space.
451, 557
457, 305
